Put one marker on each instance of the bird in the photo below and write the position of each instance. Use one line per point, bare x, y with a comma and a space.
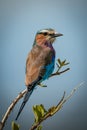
40, 61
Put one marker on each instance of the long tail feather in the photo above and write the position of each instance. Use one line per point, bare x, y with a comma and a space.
27, 95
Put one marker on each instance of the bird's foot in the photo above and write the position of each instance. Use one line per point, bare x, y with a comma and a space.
42, 85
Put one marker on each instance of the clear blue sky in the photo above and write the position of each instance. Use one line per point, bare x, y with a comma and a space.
19, 22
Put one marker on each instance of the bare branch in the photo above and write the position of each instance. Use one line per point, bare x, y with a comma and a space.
58, 73
10, 108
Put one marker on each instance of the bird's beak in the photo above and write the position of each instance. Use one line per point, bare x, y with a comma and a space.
57, 35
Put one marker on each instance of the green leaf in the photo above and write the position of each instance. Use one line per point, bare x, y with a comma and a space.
39, 127
52, 109
39, 112
63, 63
59, 61
15, 126
66, 63
41, 109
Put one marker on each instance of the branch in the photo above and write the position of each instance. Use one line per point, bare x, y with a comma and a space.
58, 73
60, 64
49, 113
21, 94
10, 108
56, 108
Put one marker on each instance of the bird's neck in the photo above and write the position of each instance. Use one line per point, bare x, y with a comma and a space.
43, 43
49, 45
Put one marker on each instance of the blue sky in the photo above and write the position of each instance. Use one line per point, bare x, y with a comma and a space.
19, 22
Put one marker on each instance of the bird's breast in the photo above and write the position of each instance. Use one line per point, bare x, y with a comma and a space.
39, 59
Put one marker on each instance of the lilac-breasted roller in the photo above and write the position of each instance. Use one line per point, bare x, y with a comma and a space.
40, 61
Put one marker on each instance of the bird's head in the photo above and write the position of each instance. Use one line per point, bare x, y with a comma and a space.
46, 35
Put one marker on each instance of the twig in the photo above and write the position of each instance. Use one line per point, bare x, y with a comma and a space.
73, 91
10, 108
20, 95
56, 108
58, 73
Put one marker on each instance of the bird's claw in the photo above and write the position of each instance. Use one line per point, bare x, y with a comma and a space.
42, 85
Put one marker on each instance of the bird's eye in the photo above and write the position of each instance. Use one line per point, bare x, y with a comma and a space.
45, 33
51, 34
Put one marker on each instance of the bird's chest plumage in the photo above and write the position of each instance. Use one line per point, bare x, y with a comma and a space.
40, 62
50, 60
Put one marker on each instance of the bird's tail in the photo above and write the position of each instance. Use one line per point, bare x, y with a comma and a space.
27, 95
